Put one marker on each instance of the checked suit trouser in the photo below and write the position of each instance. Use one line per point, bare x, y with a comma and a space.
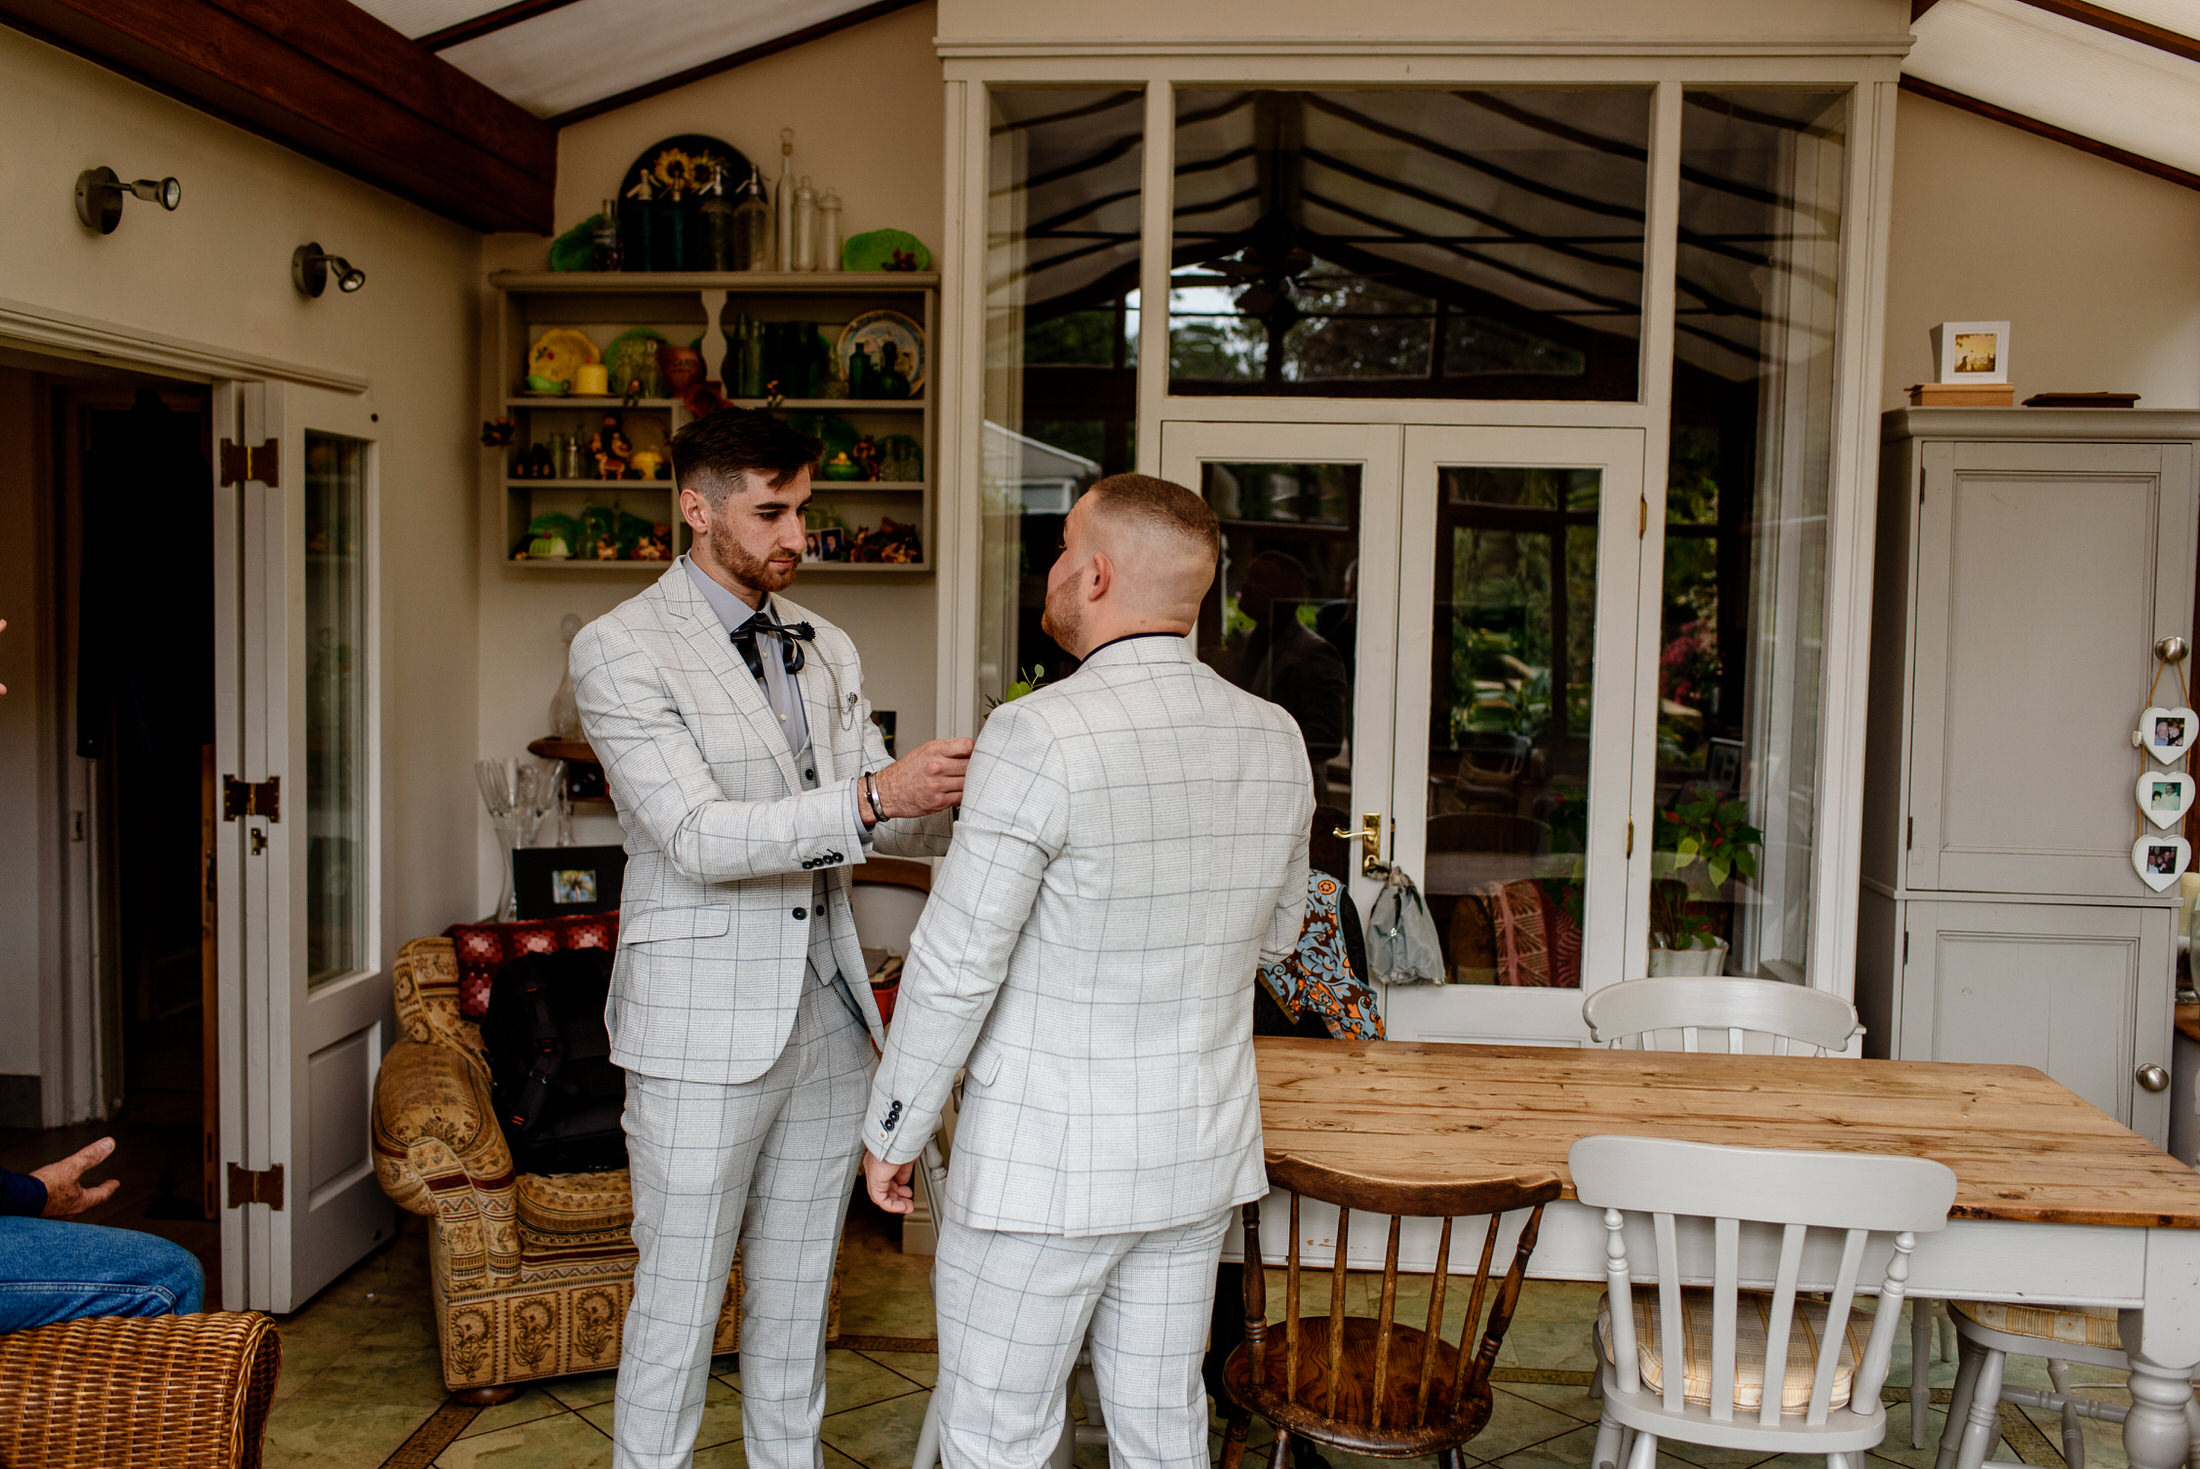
768, 1164
1013, 1310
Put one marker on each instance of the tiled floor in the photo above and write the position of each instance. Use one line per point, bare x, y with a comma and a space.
360, 1376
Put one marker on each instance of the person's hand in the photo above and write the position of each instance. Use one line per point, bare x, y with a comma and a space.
927, 779
65, 1195
889, 1183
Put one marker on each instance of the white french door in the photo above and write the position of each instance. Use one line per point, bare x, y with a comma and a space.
1453, 616
303, 1000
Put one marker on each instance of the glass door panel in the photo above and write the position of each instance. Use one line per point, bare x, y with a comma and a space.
1305, 600
1521, 556
336, 705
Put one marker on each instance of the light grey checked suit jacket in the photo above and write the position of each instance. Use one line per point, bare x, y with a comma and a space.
723, 843
1132, 847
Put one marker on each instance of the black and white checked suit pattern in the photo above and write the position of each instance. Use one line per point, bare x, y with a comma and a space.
1132, 847
747, 1057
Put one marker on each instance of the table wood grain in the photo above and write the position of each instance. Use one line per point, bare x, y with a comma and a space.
2022, 1147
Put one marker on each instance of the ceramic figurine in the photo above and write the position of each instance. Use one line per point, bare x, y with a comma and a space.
610, 448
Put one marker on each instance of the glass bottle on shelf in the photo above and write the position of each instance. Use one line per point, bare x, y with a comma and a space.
783, 203
565, 710
638, 226
828, 231
805, 226
715, 226
676, 231
752, 226
604, 253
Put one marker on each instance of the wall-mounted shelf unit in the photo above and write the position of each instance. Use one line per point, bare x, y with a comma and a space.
697, 309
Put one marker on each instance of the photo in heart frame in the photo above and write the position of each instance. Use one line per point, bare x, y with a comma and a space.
2166, 795
2168, 732
2160, 860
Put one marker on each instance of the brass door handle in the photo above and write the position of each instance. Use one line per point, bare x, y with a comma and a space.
2153, 1078
1370, 834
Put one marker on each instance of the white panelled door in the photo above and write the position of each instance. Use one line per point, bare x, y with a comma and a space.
303, 1000
1453, 617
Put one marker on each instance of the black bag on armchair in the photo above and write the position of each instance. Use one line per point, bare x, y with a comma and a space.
558, 1096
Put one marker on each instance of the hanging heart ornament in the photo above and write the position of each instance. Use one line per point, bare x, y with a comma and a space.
2168, 733
2166, 795
2160, 861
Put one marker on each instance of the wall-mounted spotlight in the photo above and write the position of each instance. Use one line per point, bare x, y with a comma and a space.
99, 194
311, 267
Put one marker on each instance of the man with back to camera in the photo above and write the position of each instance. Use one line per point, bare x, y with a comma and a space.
1131, 847
748, 775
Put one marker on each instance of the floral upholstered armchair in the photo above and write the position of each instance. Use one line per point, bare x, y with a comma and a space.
531, 1272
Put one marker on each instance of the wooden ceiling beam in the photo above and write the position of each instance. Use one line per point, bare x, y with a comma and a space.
488, 23
326, 78
2116, 23
2166, 171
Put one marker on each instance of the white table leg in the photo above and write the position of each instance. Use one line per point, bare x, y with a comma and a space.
2163, 1342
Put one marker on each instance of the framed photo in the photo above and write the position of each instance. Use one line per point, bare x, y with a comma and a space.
551, 882
1972, 351
2169, 732
809, 545
832, 544
2162, 859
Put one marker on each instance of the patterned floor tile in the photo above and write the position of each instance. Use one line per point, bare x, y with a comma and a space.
562, 1442
721, 1415
882, 1435
585, 1391
526, 1408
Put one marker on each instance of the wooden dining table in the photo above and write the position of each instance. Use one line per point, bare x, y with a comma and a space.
2055, 1201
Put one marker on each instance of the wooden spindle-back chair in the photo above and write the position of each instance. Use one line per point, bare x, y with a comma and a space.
1378, 1386
1737, 1368
1677, 1013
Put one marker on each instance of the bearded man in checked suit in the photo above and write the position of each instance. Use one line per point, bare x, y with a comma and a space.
749, 777
1131, 848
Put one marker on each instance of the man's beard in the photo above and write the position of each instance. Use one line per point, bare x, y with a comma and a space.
1062, 618
731, 557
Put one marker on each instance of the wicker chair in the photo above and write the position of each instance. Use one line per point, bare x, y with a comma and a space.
531, 1273
164, 1392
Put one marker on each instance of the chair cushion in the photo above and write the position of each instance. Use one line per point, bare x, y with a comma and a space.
485, 948
1753, 1310
2073, 1325
573, 1208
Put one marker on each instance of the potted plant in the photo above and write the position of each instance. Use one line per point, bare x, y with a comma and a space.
1711, 842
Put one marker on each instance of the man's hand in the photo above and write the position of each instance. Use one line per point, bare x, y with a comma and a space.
64, 1194
927, 779
889, 1183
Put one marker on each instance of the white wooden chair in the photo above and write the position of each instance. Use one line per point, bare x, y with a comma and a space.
1753, 1014
1693, 1364
933, 1166
1988, 1332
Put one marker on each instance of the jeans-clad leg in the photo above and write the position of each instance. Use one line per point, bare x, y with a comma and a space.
55, 1270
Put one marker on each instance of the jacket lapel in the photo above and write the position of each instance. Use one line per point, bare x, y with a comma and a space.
710, 639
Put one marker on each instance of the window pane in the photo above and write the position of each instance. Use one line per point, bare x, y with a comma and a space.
1409, 243
1280, 620
1061, 345
336, 706
1508, 780
1740, 672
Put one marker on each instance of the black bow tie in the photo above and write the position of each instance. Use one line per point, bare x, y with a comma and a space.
791, 635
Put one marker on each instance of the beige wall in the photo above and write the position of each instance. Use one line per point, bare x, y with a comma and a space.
866, 107
2092, 264
217, 273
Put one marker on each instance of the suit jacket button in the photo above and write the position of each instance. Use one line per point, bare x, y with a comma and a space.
801, 912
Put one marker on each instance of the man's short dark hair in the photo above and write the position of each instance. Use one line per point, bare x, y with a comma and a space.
1160, 503
710, 454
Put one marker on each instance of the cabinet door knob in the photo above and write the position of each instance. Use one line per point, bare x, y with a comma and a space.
2153, 1078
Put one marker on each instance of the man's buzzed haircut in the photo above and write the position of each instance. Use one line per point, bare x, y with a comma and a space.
710, 454
1160, 504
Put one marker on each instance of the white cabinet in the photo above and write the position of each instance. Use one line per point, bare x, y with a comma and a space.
2028, 561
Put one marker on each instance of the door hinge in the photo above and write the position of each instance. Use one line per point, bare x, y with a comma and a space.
252, 798
241, 462
1642, 517
262, 1186
1630, 837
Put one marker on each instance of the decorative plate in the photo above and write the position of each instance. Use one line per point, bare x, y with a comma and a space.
557, 352
873, 329
884, 250
685, 163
